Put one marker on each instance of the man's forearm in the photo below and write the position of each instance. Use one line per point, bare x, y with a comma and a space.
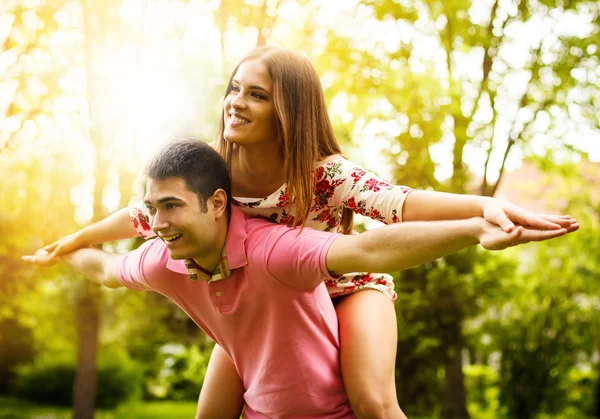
96, 265
401, 246
434, 206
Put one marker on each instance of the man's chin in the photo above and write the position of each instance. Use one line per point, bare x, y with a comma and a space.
178, 255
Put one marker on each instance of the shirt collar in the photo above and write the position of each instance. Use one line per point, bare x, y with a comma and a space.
233, 255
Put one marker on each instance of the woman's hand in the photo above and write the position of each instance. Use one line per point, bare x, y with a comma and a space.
506, 215
48, 255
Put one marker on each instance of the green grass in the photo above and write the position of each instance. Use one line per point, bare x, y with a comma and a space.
11, 408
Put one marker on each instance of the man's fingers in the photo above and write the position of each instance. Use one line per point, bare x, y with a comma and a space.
573, 227
530, 235
37, 259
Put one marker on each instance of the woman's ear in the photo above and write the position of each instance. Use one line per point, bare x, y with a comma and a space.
219, 203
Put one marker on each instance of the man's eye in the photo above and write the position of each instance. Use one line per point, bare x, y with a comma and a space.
151, 210
170, 206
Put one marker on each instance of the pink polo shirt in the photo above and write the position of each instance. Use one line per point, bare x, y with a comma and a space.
272, 315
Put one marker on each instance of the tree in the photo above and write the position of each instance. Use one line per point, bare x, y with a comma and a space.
451, 81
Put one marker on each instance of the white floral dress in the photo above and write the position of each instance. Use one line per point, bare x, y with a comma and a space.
339, 184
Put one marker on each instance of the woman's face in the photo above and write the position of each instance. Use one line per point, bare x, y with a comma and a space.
248, 110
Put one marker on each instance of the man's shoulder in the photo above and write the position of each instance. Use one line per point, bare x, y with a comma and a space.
153, 254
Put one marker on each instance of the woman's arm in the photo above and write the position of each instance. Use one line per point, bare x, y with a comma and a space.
436, 206
114, 227
366, 194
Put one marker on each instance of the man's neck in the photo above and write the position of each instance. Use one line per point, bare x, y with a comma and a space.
208, 262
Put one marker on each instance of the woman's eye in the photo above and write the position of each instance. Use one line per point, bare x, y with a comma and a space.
258, 96
235, 89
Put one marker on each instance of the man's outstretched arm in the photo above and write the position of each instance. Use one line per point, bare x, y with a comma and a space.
96, 265
404, 245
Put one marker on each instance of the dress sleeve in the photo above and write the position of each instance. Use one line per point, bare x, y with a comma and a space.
141, 221
361, 191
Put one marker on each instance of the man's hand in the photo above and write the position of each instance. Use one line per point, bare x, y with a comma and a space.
507, 215
41, 257
493, 237
96, 265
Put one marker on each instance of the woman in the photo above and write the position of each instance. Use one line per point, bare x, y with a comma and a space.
286, 166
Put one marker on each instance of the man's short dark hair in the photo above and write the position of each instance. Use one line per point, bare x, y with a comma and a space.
202, 168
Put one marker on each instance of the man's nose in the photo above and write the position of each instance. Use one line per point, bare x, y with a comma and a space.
158, 222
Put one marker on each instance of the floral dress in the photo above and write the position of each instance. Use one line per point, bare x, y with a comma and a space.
339, 184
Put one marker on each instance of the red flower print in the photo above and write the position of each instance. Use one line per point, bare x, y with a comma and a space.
324, 215
319, 174
357, 174
143, 222
286, 219
332, 222
371, 185
322, 187
351, 203
395, 218
284, 198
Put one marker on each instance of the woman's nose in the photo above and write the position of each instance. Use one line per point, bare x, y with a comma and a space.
238, 101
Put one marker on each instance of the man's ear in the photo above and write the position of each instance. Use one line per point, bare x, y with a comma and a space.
219, 203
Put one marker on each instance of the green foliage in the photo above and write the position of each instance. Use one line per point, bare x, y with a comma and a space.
50, 380
16, 348
181, 374
481, 383
549, 326
12, 408
432, 300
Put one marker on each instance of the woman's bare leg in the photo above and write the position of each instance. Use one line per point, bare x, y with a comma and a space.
368, 341
222, 395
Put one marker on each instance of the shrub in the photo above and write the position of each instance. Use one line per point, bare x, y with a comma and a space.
181, 374
50, 380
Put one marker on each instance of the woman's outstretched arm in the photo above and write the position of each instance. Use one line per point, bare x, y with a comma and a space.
116, 226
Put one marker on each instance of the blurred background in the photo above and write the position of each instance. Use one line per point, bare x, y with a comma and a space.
492, 97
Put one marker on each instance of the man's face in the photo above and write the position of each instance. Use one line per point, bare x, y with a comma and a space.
177, 218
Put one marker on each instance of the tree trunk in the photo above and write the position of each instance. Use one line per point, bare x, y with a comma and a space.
455, 402
88, 299
88, 322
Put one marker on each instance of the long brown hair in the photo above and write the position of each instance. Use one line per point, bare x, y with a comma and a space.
306, 135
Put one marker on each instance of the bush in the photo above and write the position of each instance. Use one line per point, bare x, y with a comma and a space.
181, 374
481, 383
50, 380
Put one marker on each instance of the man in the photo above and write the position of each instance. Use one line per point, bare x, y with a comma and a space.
256, 287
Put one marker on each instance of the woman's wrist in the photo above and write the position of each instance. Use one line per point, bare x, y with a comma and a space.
83, 238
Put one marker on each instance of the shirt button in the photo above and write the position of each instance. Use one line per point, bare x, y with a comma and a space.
218, 294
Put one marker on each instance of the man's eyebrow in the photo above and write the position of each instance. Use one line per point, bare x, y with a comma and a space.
253, 87
163, 200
